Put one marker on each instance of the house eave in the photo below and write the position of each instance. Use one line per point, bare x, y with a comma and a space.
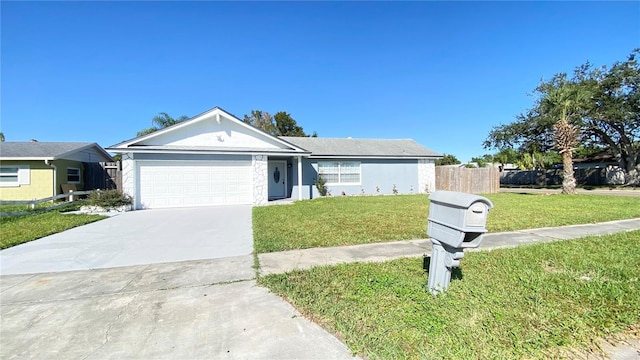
94, 146
27, 158
387, 157
209, 152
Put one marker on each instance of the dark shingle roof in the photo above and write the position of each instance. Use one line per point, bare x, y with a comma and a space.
44, 150
395, 148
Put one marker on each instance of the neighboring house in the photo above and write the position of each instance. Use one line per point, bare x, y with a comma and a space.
600, 160
216, 159
37, 170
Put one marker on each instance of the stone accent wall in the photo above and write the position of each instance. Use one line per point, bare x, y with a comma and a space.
426, 176
128, 175
260, 179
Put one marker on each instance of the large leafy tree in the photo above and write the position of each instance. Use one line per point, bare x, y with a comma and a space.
281, 124
596, 108
447, 159
261, 120
161, 121
287, 126
614, 120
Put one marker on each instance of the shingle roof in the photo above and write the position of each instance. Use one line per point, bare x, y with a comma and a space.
44, 150
393, 148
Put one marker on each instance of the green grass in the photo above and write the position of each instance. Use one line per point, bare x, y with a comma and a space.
21, 229
44, 206
527, 302
22, 208
336, 221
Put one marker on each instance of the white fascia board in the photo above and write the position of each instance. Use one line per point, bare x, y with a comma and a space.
206, 152
372, 157
2, 158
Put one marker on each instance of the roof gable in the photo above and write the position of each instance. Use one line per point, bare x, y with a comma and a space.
78, 151
214, 129
385, 148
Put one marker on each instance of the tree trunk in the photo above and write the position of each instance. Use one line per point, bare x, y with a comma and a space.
632, 177
568, 180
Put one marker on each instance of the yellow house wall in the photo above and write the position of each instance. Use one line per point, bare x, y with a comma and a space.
40, 184
41, 180
62, 166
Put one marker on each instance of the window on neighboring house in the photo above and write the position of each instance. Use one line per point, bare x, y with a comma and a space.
73, 175
14, 175
340, 172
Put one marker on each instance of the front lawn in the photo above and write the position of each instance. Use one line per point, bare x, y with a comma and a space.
526, 302
336, 221
21, 229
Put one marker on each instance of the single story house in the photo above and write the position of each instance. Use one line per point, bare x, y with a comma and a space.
216, 159
38, 170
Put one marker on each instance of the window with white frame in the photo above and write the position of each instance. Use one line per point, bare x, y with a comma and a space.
340, 172
14, 175
73, 175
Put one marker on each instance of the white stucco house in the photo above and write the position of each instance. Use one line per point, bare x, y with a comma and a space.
215, 158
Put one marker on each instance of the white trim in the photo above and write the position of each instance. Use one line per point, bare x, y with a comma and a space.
14, 158
299, 177
16, 175
340, 173
204, 152
365, 157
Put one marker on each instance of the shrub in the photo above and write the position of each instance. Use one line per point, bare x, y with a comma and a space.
320, 185
109, 199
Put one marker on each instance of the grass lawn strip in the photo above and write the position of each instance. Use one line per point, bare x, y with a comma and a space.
21, 229
532, 301
337, 221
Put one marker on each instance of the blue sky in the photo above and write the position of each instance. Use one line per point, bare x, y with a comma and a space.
442, 73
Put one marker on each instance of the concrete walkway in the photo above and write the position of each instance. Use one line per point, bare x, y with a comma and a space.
280, 262
200, 309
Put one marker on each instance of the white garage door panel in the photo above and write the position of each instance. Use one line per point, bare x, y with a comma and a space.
180, 183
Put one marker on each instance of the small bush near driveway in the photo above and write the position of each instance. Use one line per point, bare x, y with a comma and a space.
526, 302
335, 221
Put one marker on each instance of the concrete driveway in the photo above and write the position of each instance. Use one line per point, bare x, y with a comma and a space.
154, 284
138, 238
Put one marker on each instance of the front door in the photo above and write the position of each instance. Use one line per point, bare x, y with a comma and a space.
277, 179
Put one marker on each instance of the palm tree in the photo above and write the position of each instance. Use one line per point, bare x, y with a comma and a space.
161, 121
566, 101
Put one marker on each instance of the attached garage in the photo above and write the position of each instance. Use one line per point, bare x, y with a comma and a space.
164, 184
211, 159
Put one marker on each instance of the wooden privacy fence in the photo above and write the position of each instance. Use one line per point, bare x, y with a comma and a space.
474, 180
104, 175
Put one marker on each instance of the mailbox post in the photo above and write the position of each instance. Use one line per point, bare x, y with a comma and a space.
456, 221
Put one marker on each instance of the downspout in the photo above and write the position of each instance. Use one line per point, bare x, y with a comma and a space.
55, 176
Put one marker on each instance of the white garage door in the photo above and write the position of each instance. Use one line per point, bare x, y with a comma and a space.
194, 183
